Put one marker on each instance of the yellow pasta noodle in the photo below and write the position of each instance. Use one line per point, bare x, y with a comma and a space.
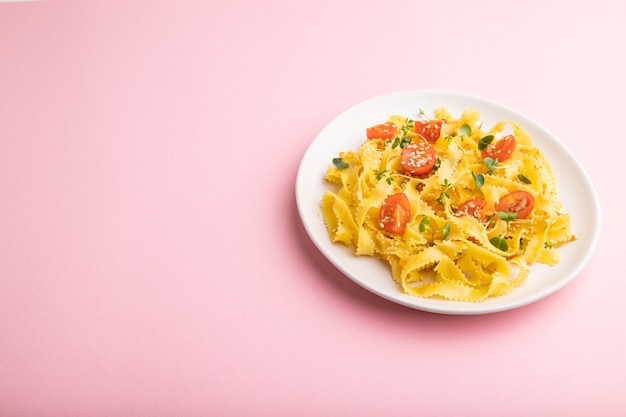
443, 251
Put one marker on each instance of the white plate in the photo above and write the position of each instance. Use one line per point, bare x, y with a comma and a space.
347, 132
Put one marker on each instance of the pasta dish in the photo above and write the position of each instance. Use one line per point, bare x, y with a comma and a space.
459, 211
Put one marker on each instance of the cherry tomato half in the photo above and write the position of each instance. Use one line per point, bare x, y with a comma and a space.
519, 201
501, 150
476, 207
428, 129
418, 158
395, 213
382, 131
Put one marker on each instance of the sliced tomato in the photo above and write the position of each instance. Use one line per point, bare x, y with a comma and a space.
429, 129
418, 158
501, 150
519, 201
395, 213
382, 131
476, 207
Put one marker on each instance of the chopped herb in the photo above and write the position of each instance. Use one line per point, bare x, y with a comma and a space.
424, 224
547, 245
405, 141
448, 138
523, 178
340, 164
500, 243
465, 130
491, 164
396, 142
484, 142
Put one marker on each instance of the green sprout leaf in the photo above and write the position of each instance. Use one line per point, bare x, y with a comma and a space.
523, 178
500, 243
484, 142
507, 216
396, 143
405, 141
465, 130
479, 180
491, 164
437, 165
340, 163
445, 231
446, 184
424, 224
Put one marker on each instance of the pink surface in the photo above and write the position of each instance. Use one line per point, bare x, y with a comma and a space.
152, 262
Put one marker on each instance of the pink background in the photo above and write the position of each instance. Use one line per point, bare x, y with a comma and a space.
152, 261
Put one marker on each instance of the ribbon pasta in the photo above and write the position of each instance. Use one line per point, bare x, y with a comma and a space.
453, 258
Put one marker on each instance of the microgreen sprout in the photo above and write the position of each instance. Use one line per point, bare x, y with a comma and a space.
380, 174
408, 125
425, 225
500, 243
479, 181
446, 185
523, 178
465, 130
437, 165
491, 164
340, 163
484, 142
507, 216
400, 142
445, 230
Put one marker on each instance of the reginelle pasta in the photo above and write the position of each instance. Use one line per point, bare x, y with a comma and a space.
441, 201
